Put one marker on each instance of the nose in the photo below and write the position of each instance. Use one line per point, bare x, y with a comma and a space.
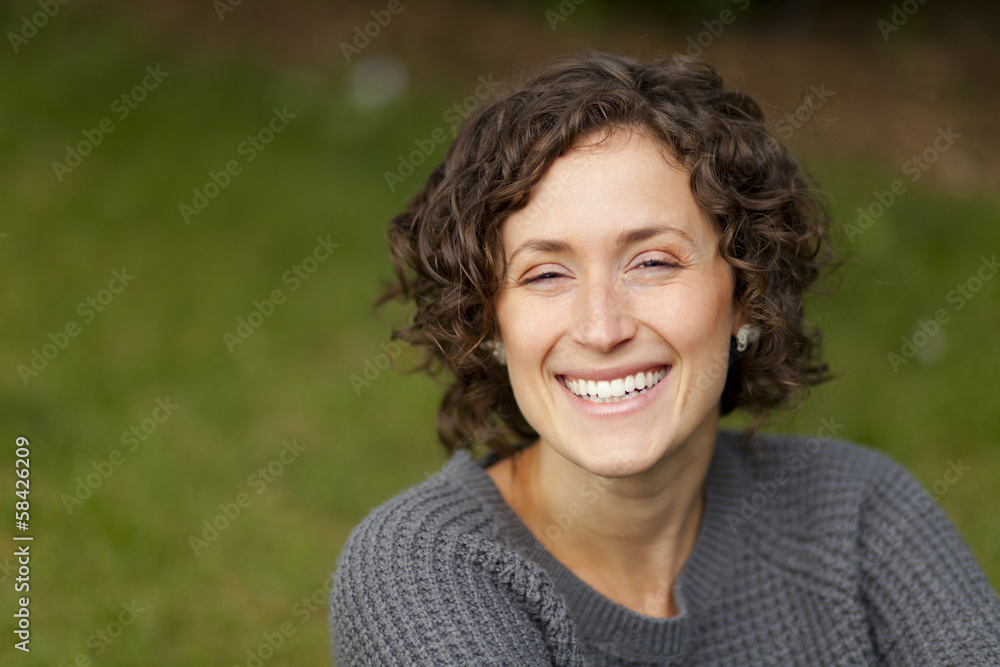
602, 318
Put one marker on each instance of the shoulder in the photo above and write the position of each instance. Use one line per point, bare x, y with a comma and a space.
805, 491
411, 534
427, 572
883, 538
427, 513
826, 469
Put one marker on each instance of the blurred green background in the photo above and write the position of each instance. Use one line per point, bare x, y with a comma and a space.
273, 426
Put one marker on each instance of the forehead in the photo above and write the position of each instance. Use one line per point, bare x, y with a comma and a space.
605, 185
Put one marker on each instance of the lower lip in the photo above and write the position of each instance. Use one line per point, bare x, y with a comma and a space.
626, 407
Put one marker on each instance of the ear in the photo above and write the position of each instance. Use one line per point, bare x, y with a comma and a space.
739, 316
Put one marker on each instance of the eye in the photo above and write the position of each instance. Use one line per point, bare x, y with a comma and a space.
547, 275
654, 262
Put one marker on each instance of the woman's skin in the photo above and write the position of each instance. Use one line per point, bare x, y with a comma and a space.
614, 269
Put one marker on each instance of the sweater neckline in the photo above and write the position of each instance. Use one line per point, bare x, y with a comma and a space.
612, 627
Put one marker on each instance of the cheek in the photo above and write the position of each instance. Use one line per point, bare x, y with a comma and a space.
695, 321
693, 318
529, 329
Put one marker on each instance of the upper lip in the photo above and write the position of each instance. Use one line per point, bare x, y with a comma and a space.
612, 373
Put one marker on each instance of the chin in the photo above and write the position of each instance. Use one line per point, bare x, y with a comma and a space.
625, 458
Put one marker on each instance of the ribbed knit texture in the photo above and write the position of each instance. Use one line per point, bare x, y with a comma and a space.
817, 553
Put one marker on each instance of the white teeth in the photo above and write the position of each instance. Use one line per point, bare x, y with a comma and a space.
611, 391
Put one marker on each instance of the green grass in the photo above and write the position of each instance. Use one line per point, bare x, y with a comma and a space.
162, 336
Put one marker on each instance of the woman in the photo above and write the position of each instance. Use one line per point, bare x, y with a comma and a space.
611, 257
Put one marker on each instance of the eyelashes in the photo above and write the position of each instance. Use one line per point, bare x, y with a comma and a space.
647, 264
542, 276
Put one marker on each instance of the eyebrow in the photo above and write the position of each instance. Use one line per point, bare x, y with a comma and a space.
625, 239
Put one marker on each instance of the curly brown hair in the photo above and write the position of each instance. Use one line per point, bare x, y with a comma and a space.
449, 261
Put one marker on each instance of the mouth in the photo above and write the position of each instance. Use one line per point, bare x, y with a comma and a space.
616, 390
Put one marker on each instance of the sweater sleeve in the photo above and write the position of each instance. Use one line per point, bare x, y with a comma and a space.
929, 602
415, 595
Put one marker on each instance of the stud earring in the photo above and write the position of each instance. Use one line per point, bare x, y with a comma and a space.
747, 335
499, 351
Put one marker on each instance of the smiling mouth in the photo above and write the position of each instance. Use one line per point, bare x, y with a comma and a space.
619, 389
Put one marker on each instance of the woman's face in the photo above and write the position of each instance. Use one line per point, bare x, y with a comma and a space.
617, 309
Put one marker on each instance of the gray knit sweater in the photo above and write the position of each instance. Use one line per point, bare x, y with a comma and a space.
824, 553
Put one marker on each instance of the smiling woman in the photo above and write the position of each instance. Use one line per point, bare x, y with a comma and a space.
612, 256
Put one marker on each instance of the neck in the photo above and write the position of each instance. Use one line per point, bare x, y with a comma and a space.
623, 536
